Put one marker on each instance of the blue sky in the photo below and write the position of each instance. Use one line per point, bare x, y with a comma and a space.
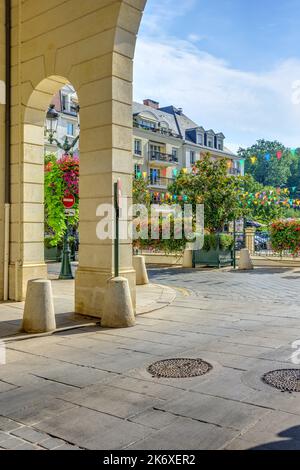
232, 65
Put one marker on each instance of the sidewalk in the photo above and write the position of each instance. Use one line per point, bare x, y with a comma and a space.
90, 388
149, 298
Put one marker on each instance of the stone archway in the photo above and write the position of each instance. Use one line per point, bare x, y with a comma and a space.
92, 45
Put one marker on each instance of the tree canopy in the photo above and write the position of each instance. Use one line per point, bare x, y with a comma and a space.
269, 162
210, 184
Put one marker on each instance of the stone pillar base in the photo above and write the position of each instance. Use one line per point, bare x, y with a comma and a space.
90, 287
141, 272
245, 262
117, 307
187, 259
39, 316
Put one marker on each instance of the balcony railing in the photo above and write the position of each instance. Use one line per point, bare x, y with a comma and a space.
162, 157
138, 152
160, 182
157, 130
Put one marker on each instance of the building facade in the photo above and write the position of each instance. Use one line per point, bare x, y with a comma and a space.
165, 141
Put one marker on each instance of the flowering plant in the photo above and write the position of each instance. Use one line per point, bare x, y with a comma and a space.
285, 236
61, 179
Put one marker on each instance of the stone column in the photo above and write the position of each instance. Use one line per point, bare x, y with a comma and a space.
106, 155
2, 139
250, 239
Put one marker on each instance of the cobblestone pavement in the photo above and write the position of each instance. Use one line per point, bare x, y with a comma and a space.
90, 389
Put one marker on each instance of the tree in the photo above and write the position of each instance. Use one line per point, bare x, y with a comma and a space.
294, 180
210, 184
140, 191
263, 204
262, 162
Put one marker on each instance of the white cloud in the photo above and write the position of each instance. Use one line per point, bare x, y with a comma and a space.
163, 13
244, 105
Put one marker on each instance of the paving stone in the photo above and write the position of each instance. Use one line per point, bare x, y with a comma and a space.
154, 419
146, 387
185, 434
51, 443
27, 446
30, 435
93, 430
8, 425
4, 387
77, 376
113, 401
12, 443
68, 447
223, 412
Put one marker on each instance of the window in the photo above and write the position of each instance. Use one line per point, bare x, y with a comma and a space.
199, 138
147, 124
137, 147
156, 152
65, 102
70, 128
209, 143
174, 154
137, 171
192, 157
154, 175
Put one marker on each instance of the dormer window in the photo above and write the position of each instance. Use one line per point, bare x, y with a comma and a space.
199, 138
219, 141
147, 124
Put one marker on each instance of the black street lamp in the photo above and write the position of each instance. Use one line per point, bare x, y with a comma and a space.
51, 128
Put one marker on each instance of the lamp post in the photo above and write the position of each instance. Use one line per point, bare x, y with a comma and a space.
51, 128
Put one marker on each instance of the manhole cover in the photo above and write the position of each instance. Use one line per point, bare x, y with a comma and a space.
286, 380
179, 368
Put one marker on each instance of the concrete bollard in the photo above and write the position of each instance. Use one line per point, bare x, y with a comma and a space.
245, 262
187, 259
39, 316
141, 272
117, 307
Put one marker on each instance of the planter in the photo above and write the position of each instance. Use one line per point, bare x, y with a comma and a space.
53, 254
213, 257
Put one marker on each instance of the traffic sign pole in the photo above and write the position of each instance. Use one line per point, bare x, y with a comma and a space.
117, 231
66, 268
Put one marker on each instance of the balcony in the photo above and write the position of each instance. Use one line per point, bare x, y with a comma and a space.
165, 159
159, 182
156, 130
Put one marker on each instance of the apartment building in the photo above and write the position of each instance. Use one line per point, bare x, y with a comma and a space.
165, 140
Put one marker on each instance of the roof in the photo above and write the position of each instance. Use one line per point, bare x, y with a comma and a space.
178, 122
139, 108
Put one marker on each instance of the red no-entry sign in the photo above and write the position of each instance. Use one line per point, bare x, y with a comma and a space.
69, 201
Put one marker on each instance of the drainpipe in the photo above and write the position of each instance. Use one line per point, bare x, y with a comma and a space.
7, 200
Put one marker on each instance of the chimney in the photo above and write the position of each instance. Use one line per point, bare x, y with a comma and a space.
180, 111
153, 104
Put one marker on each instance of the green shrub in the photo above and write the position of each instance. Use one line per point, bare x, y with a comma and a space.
211, 242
